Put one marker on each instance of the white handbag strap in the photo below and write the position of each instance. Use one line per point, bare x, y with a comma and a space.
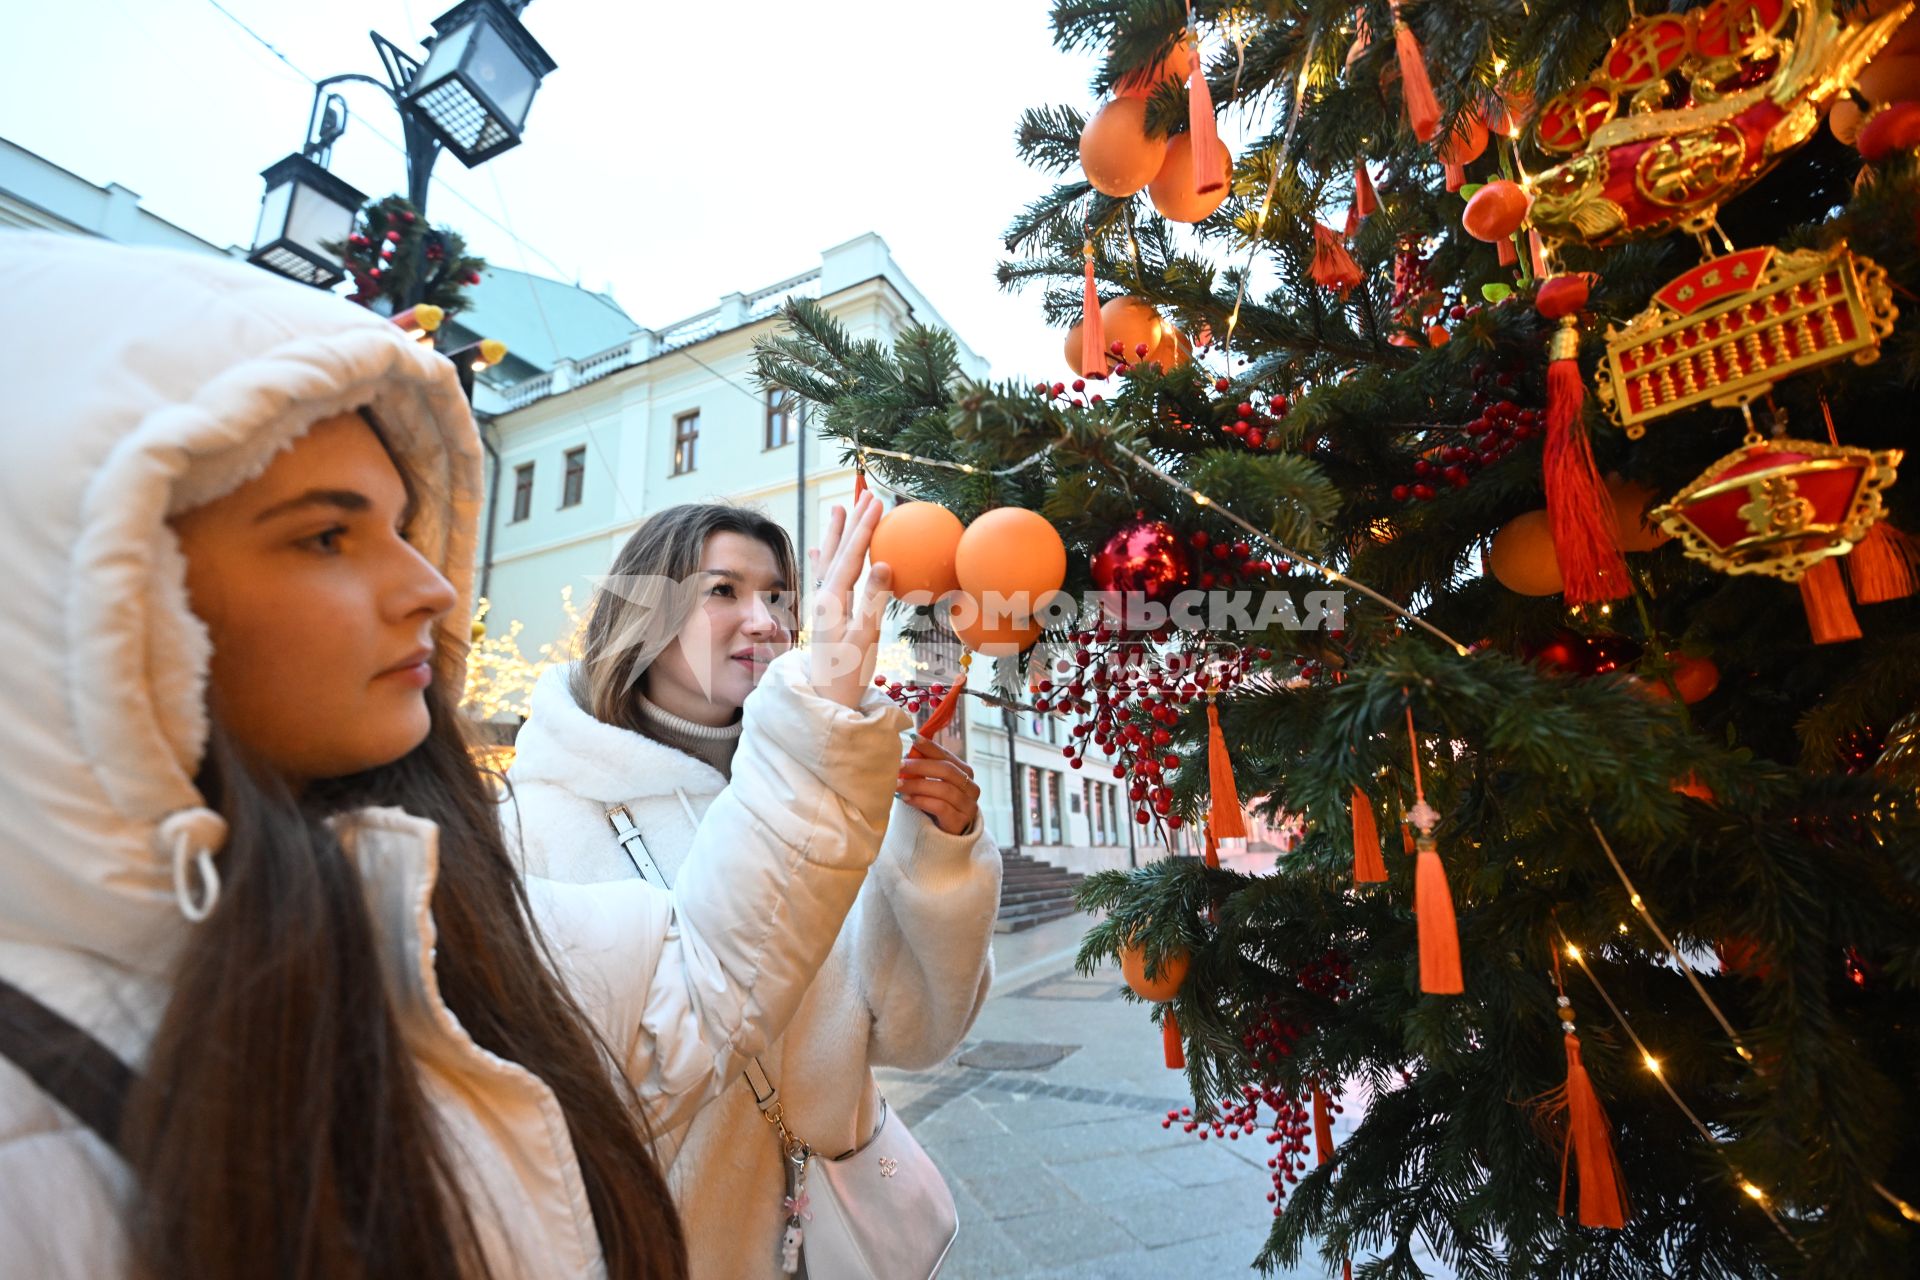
766, 1095
630, 840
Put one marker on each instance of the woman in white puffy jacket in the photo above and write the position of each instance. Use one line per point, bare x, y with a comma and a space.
647, 727
274, 999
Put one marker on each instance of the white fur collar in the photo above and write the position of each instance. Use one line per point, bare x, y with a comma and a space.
563, 745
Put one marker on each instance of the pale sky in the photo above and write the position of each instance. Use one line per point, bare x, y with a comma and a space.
676, 154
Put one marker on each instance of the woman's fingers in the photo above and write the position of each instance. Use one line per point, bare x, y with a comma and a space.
934, 751
962, 794
949, 818
830, 541
950, 770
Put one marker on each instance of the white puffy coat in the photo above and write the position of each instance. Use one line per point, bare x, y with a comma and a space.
142, 383
900, 988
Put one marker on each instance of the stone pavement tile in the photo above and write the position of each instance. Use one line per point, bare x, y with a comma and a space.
1005, 1197
1109, 1178
1035, 1147
1066, 1234
1199, 1164
983, 1252
960, 1120
1036, 1111
1167, 1217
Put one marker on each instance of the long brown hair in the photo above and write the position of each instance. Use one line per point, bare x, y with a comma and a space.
280, 1127
648, 595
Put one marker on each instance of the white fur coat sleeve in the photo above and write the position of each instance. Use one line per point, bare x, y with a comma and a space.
681, 983
922, 932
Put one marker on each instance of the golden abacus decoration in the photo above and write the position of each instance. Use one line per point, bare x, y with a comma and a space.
1727, 330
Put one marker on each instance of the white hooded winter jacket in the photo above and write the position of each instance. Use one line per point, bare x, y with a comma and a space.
906, 977
140, 384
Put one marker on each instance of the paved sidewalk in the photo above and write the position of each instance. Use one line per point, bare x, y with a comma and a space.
1063, 1170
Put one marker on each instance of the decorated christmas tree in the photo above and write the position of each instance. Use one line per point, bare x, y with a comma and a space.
398, 259
1574, 347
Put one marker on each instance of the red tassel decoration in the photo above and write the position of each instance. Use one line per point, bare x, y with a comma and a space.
859, 483
1206, 133
1416, 89
1224, 819
1213, 848
1333, 267
1369, 866
1579, 510
1882, 565
1508, 255
1093, 333
1829, 616
1603, 1199
1170, 1041
1439, 933
1365, 201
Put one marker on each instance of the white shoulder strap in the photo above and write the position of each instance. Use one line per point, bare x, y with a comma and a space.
628, 834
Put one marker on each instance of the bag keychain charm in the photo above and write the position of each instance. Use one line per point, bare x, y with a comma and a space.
795, 1205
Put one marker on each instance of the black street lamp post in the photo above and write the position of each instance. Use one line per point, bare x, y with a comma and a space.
470, 96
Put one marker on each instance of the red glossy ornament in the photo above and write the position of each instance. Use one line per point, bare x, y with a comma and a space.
1145, 557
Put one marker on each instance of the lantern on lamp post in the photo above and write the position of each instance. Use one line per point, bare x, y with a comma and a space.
471, 96
305, 209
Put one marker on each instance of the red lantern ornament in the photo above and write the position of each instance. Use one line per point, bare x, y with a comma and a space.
1889, 131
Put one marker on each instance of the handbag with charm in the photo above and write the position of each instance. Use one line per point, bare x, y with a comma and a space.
879, 1212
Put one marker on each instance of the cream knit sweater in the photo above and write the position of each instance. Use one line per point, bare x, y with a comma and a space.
900, 988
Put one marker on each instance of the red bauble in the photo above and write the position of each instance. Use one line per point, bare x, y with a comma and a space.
1144, 556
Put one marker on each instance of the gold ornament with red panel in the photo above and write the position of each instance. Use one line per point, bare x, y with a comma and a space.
1724, 332
1779, 506
1688, 110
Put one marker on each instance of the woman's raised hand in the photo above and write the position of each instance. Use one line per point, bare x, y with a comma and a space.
844, 627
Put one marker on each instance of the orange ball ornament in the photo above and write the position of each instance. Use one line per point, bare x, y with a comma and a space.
1071, 349
1165, 983
1133, 324
1115, 151
919, 539
1465, 142
1014, 554
1172, 188
1694, 678
1496, 211
1630, 503
1522, 557
988, 635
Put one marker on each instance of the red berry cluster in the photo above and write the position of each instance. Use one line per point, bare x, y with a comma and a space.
1132, 709
1331, 976
1499, 429
1239, 1117
910, 695
1222, 564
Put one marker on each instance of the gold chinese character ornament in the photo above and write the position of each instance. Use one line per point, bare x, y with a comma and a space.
1725, 331
1786, 508
1688, 110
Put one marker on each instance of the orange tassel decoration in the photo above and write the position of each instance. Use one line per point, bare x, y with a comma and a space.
1365, 200
1093, 334
1829, 616
1206, 133
1170, 1041
859, 484
1323, 1145
1882, 565
1439, 933
1333, 267
1369, 866
949, 703
1579, 510
1416, 88
1508, 255
1212, 857
1589, 1141
1224, 819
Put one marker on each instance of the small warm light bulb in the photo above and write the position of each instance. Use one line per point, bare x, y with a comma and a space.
1606, 611
967, 467
1573, 952
1752, 1191
1635, 900
1653, 1063
1200, 499
1743, 1052
1623, 926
